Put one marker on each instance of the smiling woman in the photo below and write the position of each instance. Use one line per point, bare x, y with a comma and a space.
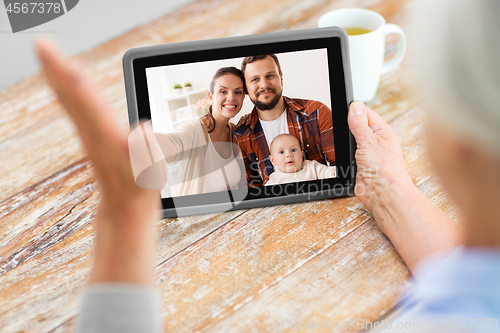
227, 91
198, 150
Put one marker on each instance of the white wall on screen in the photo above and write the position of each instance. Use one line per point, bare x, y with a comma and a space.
305, 75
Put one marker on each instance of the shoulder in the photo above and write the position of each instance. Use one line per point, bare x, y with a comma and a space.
204, 120
270, 181
243, 125
243, 120
192, 123
311, 164
193, 128
274, 178
307, 106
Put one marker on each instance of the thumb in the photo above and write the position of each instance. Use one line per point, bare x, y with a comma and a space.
358, 120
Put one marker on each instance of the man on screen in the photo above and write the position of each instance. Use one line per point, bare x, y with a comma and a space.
274, 114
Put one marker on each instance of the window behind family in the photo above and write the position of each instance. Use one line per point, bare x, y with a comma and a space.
243, 122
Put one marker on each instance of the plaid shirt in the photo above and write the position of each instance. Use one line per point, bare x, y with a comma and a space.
309, 121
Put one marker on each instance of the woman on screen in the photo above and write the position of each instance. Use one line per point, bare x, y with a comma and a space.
200, 156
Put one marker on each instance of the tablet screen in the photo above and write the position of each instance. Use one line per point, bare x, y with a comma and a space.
304, 150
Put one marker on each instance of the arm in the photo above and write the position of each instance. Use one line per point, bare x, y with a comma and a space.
323, 171
127, 215
415, 226
151, 152
269, 182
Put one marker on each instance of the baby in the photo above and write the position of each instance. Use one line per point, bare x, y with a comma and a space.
286, 156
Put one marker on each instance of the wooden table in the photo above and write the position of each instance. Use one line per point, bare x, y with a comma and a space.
249, 270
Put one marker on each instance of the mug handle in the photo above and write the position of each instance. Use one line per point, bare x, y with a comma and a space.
396, 60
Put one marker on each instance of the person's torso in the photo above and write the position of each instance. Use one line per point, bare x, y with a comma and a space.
220, 173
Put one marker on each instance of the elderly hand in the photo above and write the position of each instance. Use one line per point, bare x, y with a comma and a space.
378, 156
127, 214
415, 226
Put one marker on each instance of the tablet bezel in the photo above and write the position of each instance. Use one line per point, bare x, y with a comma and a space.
135, 62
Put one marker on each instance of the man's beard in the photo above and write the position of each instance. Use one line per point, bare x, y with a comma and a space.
269, 105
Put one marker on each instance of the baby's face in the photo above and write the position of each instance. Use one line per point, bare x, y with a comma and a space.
286, 153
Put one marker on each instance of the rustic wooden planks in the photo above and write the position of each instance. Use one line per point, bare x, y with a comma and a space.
219, 272
238, 260
347, 282
247, 256
49, 283
27, 218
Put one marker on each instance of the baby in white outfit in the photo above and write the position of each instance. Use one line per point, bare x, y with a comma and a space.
286, 156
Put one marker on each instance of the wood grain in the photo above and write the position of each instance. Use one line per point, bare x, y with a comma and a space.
348, 281
250, 270
48, 284
46, 213
236, 259
328, 289
247, 256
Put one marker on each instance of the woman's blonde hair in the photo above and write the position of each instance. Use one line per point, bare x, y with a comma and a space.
457, 48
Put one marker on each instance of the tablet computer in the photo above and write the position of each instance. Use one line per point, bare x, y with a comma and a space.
280, 100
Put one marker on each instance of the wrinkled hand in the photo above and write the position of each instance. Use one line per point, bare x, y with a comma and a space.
414, 225
127, 213
378, 156
105, 142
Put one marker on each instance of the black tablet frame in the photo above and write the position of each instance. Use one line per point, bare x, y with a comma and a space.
334, 39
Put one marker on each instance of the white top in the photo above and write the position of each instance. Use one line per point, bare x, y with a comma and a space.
310, 170
220, 173
274, 128
186, 174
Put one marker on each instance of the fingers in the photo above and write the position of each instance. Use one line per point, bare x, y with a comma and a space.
363, 121
94, 120
375, 121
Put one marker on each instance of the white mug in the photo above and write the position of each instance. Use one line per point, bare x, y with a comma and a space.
367, 51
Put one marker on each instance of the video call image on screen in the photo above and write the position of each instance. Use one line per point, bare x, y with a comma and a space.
179, 98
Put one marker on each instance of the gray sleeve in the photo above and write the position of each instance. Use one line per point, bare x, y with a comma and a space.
120, 308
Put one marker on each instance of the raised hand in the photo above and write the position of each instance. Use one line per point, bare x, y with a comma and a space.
127, 214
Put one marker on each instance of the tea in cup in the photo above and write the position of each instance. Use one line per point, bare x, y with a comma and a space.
353, 31
367, 31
